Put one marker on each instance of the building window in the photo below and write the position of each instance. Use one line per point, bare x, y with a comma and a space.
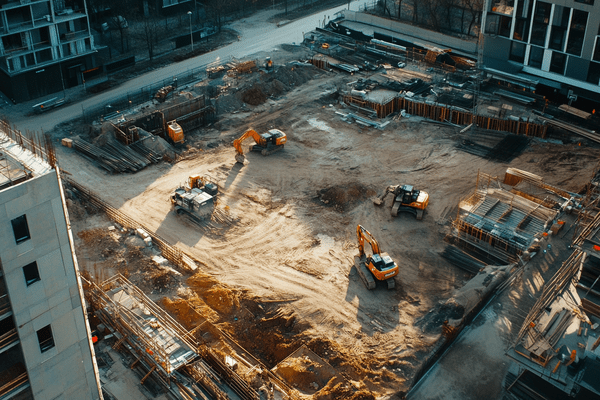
20, 229
536, 56
590, 2
45, 338
560, 22
505, 23
541, 19
517, 52
557, 62
491, 24
596, 56
594, 73
32, 275
577, 32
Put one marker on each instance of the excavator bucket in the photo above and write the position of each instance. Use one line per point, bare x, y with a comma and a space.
240, 158
377, 201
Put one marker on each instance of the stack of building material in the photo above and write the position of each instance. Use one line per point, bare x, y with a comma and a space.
113, 158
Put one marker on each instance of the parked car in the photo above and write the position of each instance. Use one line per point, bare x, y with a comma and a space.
401, 64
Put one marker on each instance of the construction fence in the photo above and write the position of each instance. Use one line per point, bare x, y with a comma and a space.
112, 107
173, 254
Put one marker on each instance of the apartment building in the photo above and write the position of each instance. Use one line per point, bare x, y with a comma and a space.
45, 46
46, 350
553, 42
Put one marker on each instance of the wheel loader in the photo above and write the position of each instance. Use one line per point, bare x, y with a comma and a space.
266, 143
378, 266
406, 199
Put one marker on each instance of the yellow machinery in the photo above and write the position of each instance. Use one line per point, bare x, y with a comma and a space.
406, 198
195, 199
379, 265
175, 132
267, 143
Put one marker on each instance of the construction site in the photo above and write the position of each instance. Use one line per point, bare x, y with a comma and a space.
214, 270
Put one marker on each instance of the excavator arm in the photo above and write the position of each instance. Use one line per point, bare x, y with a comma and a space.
365, 236
390, 189
237, 143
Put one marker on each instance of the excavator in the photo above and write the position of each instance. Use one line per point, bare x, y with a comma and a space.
406, 198
267, 143
379, 265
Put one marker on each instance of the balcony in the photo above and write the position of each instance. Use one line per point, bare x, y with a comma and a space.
13, 380
73, 36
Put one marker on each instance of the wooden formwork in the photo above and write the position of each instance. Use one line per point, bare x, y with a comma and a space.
443, 113
319, 63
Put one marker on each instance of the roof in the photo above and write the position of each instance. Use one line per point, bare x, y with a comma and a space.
18, 164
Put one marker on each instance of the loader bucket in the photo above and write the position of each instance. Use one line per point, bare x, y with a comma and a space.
377, 201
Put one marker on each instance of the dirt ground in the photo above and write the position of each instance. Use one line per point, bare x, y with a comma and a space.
281, 273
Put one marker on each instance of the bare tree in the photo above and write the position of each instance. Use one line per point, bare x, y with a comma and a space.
149, 30
475, 8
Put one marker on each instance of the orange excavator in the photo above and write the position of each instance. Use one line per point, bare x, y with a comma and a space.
406, 198
379, 265
267, 143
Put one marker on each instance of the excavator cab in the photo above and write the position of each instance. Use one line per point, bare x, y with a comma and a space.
382, 262
406, 198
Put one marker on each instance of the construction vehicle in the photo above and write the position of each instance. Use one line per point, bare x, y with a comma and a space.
406, 199
267, 143
196, 198
268, 64
378, 266
175, 132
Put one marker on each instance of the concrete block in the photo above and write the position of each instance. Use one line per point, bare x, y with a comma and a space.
57, 290
51, 264
58, 297
39, 308
80, 323
86, 356
14, 192
68, 264
46, 246
61, 309
73, 290
59, 214
20, 206
25, 330
24, 248
64, 330
42, 321
31, 351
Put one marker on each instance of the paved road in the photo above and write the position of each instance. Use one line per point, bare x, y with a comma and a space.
256, 40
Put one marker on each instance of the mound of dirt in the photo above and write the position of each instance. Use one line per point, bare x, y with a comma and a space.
254, 96
343, 198
336, 388
305, 371
100, 239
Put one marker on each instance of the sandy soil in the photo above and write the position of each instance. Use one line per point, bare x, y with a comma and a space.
291, 244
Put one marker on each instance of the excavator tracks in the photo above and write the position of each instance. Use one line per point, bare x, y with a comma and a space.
397, 207
364, 273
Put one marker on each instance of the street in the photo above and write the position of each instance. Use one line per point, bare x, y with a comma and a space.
252, 40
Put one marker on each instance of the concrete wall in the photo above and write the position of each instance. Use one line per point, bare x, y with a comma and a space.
67, 370
414, 31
